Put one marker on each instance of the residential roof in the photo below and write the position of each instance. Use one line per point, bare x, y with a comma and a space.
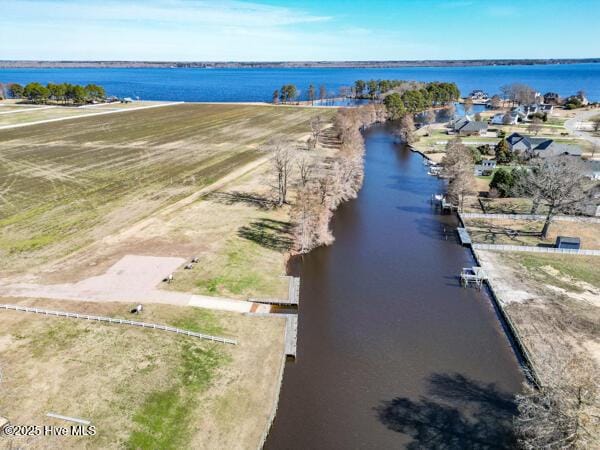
568, 240
472, 126
543, 146
556, 149
515, 138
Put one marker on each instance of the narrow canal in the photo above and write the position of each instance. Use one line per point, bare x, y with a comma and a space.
392, 352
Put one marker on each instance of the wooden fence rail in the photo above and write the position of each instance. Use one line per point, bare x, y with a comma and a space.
582, 219
531, 249
49, 312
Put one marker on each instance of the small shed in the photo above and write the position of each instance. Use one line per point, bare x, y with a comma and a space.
572, 243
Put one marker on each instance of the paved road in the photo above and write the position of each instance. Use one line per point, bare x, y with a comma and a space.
573, 124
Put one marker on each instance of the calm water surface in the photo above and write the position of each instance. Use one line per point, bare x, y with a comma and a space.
231, 85
392, 351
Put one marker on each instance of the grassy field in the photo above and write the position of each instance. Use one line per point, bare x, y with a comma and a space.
18, 116
64, 185
508, 231
141, 388
560, 270
8, 107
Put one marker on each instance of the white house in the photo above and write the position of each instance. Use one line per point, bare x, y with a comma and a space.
486, 167
478, 95
512, 118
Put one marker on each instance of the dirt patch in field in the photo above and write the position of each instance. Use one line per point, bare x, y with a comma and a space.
554, 321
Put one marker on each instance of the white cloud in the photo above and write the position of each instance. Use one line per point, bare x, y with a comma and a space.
191, 12
187, 30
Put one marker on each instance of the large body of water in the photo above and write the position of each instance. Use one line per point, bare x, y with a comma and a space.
392, 351
230, 85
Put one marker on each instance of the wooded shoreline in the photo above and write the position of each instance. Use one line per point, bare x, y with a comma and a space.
14, 64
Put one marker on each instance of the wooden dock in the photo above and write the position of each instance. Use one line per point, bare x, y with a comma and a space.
291, 335
464, 237
293, 298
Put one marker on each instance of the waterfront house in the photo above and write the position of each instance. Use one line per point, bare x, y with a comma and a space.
546, 108
464, 126
541, 147
478, 95
525, 111
485, 168
551, 98
508, 118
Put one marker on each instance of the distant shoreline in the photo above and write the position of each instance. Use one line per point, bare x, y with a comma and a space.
8, 64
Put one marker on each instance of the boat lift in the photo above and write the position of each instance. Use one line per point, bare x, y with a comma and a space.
472, 275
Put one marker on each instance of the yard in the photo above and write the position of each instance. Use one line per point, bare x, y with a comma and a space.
554, 302
563, 271
527, 232
81, 185
140, 388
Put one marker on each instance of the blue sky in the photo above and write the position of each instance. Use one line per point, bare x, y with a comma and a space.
193, 30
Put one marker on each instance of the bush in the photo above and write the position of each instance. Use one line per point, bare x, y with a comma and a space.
503, 153
476, 155
502, 181
486, 150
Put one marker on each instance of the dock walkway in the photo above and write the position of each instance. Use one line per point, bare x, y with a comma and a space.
291, 335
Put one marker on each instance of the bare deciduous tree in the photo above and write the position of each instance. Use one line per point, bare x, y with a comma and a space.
468, 105
559, 183
560, 415
406, 130
282, 159
311, 222
428, 118
305, 169
535, 126
316, 127
458, 167
496, 102
333, 183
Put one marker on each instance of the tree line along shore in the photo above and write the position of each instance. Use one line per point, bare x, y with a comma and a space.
57, 93
291, 64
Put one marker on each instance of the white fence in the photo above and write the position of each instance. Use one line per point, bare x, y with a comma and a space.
582, 219
524, 248
48, 312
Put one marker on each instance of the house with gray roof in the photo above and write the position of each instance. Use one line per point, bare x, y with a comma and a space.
507, 118
464, 126
541, 147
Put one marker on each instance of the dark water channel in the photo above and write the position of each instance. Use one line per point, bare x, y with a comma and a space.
392, 352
